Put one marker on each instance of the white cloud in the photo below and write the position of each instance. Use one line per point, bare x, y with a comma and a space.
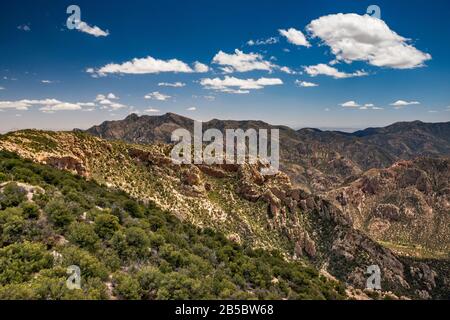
24, 27
94, 31
17, 105
238, 86
288, 70
353, 37
433, 111
107, 101
191, 109
46, 81
261, 42
86, 104
354, 105
64, 106
241, 62
2, 88
305, 84
46, 105
149, 65
403, 103
200, 67
323, 69
115, 106
41, 102
295, 37
100, 97
151, 110
350, 104
106, 98
157, 96
108, 104
174, 84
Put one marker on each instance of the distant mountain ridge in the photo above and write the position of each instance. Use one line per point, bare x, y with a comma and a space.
318, 160
152, 129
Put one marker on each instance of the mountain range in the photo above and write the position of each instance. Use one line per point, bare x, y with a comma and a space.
342, 201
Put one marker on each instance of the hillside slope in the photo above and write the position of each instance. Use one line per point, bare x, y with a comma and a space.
265, 212
407, 204
51, 219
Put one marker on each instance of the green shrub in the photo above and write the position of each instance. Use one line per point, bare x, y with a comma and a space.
127, 287
19, 261
83, 234
59, 213
105, 225
89, 265
12, 195
133, 208
30, 210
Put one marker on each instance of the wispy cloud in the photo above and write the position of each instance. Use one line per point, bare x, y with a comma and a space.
262, 42
24, 27
305, 84
295, 37
172, 84
238, 86
151, 110
323, 69
402, 103
288, 70
45, 105
93, 31
157, 96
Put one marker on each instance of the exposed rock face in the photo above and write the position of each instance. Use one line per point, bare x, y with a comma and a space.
389, 212
426, 274
191, 176
406, 203
67, 163
305, 244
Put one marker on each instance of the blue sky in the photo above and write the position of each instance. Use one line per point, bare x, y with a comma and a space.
310, 63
